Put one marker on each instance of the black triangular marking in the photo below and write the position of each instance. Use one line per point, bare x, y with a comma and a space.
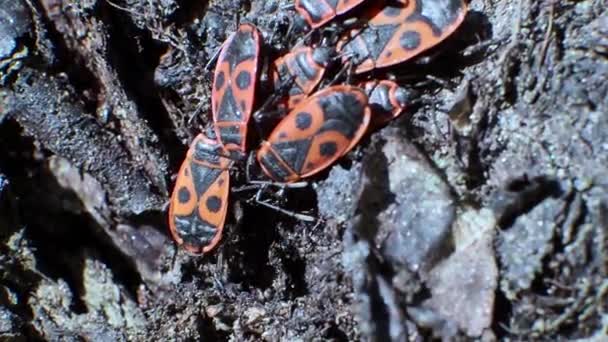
293, 152
376, 38
203, 177
228, 111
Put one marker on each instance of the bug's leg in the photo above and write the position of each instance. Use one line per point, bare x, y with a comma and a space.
265, 111
304, 39
250, 183
482, 47
262, 185
299, 216
297, 26
273, 98
350, 72
347, 69
245, 188
218, 277
214, 57
261, 114
334, 32
250, 163
262, 188
442, 82
279, 185
279, 193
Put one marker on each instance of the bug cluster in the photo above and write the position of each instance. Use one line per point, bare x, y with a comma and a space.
321, 125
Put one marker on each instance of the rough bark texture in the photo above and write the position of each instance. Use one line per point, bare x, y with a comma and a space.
480, 214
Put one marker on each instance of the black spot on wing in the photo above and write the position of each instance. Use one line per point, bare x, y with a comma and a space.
303, 120
243, 80
183, 195
410, 40
328, 149
213, 204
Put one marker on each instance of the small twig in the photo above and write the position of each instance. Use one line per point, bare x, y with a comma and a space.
128, 10
513, 41
549, 31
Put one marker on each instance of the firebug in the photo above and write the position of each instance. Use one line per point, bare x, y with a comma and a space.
396, 31
234, 87
315, 133
302, 69
199, 202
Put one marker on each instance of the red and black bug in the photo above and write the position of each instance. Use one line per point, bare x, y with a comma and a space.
302, 69
234, 87
199, 202
315, 134
399, 30
319, 128
318, 12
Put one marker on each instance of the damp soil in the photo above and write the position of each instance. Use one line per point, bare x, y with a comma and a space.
480, 214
